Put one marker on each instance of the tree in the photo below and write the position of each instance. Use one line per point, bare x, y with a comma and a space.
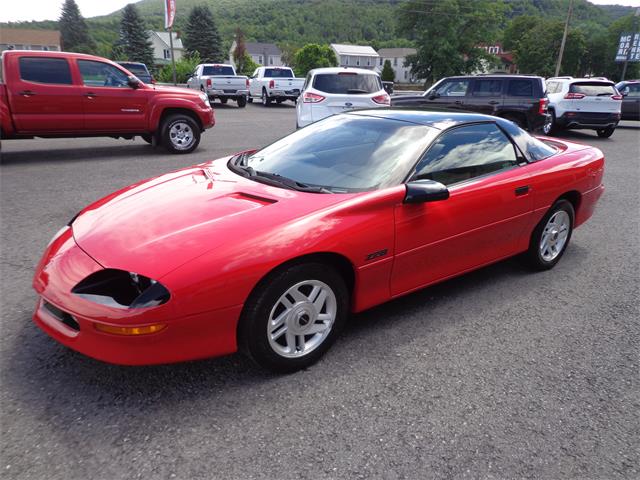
134, 43
248, 66
184, 67
201, 35
74, 32
313, 56
387, 74
240, 50
448, 34
518, 27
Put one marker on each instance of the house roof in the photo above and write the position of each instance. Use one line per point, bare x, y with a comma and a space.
164, 37
359, 50
25, 36
396, 52
256, 48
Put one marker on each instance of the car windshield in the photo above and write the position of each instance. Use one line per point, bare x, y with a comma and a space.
347, 83
278, 73
346, 153
217, 70
593, 89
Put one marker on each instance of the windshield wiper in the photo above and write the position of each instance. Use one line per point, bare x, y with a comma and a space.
356, 90
289, 182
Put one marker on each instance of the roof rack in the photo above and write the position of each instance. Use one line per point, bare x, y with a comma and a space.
560, 78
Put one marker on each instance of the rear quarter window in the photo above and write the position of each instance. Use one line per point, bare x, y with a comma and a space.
520, 88
487, 88
45, 70
593, 89
347, 83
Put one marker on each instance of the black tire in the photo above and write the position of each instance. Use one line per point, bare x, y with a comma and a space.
189, 124
606, 132
242, 101
534, 256
223, 100
250, 99
266, 101
147, 137
253, 336
552, 128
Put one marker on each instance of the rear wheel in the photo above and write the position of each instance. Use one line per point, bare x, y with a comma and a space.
549, 127
242, 101
605, 132
292, 318
250, 99
180, 134
223, 100
551, 236
266, 101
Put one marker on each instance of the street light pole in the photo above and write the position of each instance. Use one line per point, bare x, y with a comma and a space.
564, 38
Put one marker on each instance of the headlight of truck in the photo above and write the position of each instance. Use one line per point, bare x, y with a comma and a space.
121, 289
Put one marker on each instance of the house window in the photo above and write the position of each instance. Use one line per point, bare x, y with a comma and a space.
166, 54
358, 61
405, 74
260, 59
381, 61
270, 60
368, 61
395, 62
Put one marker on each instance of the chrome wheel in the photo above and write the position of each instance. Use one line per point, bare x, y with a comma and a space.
302, 318
548, 125
554, 236
181, 135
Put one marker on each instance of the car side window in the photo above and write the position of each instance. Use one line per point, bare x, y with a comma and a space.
453, 88
45, 70
99, 74
634, 90
306, 81
487, 88
520, 88
467, 152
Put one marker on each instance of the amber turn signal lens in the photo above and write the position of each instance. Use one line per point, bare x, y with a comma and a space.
144, 330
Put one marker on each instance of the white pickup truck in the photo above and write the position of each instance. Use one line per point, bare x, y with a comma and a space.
274, 83
220, 81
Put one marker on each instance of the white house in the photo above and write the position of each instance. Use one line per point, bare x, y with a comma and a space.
397, 57
264, 54
162, 49
358, 56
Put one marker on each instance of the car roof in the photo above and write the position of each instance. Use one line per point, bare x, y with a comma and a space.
436, 119
331, 70
485, 76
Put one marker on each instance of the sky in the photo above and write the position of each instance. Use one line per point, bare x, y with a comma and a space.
14, 10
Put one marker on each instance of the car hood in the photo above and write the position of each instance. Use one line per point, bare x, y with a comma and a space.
157, 225
176, 90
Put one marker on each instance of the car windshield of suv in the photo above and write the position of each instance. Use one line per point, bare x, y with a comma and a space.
343, 153
278, 73
593, 89
217, 70
347, 83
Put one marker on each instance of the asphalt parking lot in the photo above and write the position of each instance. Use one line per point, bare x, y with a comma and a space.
497, 374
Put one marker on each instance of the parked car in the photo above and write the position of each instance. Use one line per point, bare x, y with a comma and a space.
220, 81
274, 84
630, 91
519, 98
269, 251
140, 70
60, 94
583, 103
327, 91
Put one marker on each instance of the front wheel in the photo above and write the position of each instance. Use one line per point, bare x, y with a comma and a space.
605, 132
242, 101
294, 315
551, 236
180, 134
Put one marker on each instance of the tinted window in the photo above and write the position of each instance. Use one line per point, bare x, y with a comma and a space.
136, 69
352, 83
278, 73
633, 90
99, 74
453, 88
487, 88
520, 88
217, 70
592, 89
467, 152
347, 153
533, 148
45, 70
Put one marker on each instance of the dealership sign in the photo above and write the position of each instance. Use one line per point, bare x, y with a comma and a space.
628, 46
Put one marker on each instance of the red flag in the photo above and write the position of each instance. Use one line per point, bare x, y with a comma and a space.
169, 13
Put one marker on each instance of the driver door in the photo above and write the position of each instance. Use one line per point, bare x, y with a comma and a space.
109, 103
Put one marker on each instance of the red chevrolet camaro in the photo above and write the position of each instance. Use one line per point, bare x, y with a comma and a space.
269, 251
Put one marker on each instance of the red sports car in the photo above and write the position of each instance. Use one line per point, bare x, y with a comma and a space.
269, 251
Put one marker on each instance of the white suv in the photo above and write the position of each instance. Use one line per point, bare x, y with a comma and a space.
327, 91
583, 103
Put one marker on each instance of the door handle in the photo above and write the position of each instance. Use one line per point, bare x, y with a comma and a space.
89, 94
493, 102
458, 102
27, 93
522, 190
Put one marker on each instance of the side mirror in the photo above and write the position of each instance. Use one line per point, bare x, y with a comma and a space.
133, 82
433, 96
421, 191
625, 91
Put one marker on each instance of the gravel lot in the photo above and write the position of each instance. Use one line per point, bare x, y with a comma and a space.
497, 374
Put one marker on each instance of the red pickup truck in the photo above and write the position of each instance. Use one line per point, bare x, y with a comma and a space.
60, 94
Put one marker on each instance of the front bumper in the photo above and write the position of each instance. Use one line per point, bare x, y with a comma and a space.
72, 320
587, 120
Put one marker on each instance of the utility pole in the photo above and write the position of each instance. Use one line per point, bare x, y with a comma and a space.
173, 60
634, 32
564, 38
